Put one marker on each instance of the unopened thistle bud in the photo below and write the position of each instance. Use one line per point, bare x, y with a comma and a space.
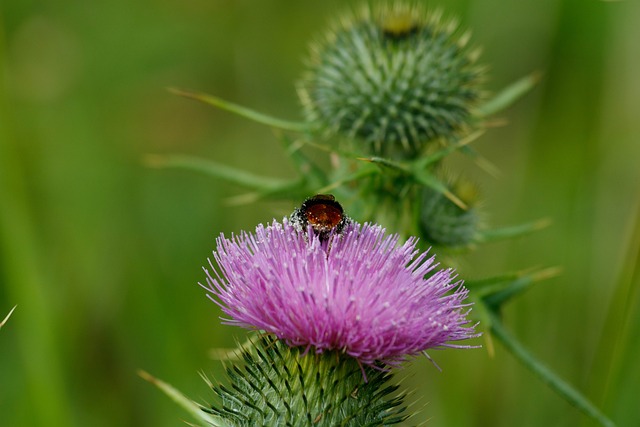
394, 77
444, 223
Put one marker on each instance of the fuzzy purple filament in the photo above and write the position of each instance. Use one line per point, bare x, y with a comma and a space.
359, 292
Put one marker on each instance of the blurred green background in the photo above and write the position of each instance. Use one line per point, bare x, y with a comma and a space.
102, 255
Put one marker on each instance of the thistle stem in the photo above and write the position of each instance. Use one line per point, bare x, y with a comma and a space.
557, 384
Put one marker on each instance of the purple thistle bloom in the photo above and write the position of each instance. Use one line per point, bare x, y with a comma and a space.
357, 292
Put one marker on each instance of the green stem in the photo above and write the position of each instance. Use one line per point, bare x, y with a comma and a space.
557, 384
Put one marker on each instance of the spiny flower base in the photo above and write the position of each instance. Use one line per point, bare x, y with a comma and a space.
283, 386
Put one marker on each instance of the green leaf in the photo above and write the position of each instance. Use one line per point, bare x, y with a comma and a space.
218, 170
197, 411
263, 186
500, 292
296, 190
509, 95
388, 163
513, 231
243, 111
479, 285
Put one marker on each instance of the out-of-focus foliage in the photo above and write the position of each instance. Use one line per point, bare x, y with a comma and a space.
102, 254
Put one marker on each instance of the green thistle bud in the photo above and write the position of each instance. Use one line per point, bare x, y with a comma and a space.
444, 223
281, 386
394, 77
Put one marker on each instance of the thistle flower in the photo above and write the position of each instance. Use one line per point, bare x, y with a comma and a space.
393, 76
356, 291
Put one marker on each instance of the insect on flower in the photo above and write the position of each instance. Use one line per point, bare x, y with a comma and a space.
323, 213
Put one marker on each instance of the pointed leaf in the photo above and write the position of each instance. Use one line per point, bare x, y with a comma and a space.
480, 285
295, 190
509, 95
513, 231
190, 406
387, 163
218, 170
243, 111
7, 317
496, 296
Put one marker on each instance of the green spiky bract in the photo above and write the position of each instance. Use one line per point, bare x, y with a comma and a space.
393, 76
277, 385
